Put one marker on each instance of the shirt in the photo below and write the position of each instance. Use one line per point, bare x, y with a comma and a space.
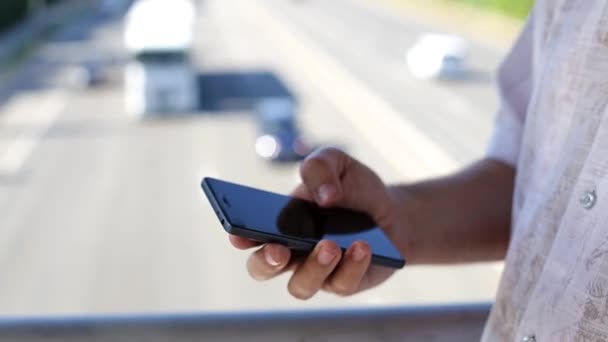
553, 127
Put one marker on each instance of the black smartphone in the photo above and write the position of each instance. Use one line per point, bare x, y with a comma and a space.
298, 224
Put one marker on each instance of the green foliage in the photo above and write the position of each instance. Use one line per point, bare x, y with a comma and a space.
516, 8
11, 11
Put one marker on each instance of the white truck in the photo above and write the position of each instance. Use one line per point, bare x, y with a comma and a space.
160, 77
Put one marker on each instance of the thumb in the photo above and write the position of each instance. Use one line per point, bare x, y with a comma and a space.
321, 172
333, 178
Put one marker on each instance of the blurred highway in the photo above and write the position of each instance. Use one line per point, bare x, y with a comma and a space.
100, 213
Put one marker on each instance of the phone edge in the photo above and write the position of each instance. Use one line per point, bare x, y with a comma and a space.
388, 262
247, 233
263, 238
216, 206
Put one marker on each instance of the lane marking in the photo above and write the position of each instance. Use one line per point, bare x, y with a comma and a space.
32, 114
403, 145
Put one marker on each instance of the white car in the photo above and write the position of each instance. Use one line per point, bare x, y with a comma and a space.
436, 56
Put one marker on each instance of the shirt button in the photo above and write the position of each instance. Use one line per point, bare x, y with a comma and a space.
529, 338
588, 200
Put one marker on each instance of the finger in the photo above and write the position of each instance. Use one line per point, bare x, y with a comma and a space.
268, 261
301, 192
242, 243
375, 276
321, 172
346, 279
312, 274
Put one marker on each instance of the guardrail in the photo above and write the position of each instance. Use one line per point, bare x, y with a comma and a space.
436, 323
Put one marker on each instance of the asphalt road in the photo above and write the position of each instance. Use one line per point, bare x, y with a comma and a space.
101, 213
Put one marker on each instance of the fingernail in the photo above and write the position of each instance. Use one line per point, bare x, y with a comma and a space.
325, 257
270, 259
359, 254
326, 192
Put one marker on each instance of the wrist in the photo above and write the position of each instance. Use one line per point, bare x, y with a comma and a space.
400, 223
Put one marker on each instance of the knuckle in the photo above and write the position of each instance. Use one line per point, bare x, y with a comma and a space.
311, 165
364, 247
331, 246
363, 244
256, 275
342, 288
257, 270
331, 152
298, 291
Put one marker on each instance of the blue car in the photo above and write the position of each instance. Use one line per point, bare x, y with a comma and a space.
279, 138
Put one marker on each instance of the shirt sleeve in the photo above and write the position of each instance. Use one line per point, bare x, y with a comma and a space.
515, 85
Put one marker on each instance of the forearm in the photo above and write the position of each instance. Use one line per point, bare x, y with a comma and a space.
465, 217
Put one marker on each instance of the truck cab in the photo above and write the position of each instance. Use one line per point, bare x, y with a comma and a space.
160, 77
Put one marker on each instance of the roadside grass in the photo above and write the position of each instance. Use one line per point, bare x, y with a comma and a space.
472, 18
515, 8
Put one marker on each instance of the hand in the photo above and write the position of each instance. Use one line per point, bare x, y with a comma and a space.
330, 178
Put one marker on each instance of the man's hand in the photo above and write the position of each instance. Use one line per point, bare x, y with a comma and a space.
330, 178
464, 217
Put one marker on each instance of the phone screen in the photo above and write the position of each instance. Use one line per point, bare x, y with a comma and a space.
283, 216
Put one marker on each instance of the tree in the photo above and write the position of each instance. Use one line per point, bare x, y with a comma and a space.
11, 12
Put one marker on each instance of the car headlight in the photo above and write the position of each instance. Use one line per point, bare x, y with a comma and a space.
267, 146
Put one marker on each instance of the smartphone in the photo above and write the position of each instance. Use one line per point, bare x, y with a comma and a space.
296, 223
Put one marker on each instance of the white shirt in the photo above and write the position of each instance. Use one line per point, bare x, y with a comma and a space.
553, 126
